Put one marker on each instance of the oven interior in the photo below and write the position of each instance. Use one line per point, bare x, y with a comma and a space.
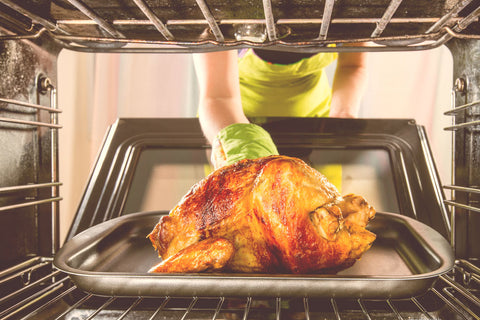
34, 32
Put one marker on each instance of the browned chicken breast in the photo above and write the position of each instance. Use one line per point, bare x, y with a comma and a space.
270, 215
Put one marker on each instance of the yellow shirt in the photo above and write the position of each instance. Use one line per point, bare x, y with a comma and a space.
300, 89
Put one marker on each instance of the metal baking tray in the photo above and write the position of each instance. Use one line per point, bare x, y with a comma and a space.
112, 258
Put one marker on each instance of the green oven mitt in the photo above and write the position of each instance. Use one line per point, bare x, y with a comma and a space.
241, 141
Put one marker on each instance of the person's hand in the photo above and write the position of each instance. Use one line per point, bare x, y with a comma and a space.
241, 141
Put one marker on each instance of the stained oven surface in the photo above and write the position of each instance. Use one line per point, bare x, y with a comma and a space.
393, 164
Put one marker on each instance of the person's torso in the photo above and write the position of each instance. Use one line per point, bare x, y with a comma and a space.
282, 84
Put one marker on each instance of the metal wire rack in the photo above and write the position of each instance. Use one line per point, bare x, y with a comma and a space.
144, 27
33, 290
27, 116
464, 188
468, 124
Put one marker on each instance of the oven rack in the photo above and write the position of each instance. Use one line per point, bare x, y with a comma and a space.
464, 188
16, 115
146, 32
40, 291
469, 123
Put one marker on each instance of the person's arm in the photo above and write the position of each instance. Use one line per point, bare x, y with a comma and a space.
221, 116
220, 103
349, 84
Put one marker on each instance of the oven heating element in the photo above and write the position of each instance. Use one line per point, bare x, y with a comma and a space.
32, 33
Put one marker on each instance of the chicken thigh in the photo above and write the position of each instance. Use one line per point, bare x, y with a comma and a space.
269, 215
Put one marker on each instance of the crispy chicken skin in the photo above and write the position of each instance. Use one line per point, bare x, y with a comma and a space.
269, 215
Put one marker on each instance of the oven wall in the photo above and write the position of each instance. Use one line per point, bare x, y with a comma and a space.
28, 166
95, 89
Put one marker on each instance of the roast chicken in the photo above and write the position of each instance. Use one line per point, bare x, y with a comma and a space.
269, 215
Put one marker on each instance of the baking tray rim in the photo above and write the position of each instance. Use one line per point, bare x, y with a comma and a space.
446, 263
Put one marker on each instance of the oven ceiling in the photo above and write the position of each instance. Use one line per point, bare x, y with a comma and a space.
202, 25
